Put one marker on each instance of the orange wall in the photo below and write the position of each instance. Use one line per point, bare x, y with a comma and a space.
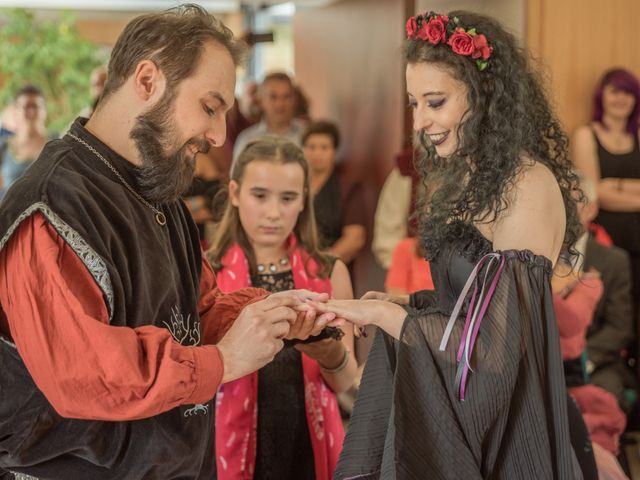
577, 40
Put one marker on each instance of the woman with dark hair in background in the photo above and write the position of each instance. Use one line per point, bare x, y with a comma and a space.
336, 204
608, 152
466, 381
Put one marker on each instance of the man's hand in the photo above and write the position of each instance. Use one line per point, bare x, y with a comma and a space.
308, 322
256, 335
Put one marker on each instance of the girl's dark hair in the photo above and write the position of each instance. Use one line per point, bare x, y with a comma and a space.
229, 230
508, 116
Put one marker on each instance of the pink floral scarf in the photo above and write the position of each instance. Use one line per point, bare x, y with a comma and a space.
237, 401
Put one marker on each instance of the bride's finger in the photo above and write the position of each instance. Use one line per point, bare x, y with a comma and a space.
337, 322
359, 331
374, 295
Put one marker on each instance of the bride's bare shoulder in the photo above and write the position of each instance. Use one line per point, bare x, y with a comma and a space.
535, 218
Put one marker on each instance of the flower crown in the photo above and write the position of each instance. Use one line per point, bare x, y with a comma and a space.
436, 29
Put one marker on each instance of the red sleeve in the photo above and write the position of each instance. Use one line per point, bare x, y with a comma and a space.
217, 310
575, 312
85, 367
399, 273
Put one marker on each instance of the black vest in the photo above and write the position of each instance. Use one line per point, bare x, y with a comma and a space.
149, 275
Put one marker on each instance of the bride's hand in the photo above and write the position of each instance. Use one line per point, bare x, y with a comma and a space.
374, 295
386, 315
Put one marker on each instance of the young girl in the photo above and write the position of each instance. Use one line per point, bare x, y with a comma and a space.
283, 421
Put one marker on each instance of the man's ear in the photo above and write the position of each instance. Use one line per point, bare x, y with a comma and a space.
148, 80
234, 190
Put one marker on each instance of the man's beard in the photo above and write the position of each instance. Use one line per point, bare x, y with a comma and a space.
163, 177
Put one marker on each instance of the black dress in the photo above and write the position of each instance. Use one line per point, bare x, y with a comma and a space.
284, 450
337, 205
408, 422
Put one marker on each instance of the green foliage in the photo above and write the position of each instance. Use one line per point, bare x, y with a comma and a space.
50, 55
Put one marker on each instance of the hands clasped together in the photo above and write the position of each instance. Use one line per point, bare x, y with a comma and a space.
258, 332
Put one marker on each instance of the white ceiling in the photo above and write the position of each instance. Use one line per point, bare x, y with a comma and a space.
216, 6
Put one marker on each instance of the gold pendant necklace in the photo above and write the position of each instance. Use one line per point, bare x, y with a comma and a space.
160, 218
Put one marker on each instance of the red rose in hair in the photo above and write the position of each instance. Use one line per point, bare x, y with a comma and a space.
411, 27
461, 43
434, 30
481, 47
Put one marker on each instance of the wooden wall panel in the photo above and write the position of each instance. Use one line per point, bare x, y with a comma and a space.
348, 61
510, 13
576, 41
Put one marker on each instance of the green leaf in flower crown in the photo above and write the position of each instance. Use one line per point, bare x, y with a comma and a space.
482, 64
471, 31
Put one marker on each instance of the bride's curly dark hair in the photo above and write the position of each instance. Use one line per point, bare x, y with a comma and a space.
509, 115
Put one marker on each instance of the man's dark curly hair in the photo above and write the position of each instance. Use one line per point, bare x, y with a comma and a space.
509, 115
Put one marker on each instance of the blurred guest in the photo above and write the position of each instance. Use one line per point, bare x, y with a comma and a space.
301, 102
607, 151
20, 150
575, 296
7, 121
97, 80
396, 205
278, 105
611, 331
337, 206
200, 198
250, 103
409, 271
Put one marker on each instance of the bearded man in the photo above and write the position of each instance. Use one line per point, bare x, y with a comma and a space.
113, 337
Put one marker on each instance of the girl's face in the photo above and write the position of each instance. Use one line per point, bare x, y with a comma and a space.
616, 102
269, 200
439, 104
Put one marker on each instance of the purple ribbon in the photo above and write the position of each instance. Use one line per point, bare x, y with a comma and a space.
478, 306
